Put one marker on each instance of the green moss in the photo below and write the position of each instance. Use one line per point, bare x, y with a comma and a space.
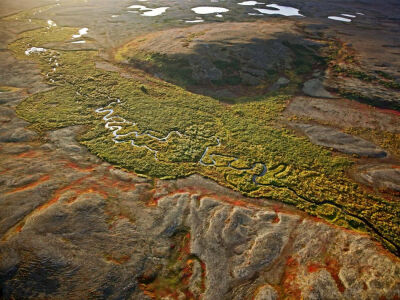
174, 69
305, 59
388, 80
389, 141
191, 36
369, 100
298, 172
327, 211
354, 73
7, 89
176, 274
390, 84
228, 80
230, 72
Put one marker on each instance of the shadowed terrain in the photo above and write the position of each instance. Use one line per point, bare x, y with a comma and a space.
228, 60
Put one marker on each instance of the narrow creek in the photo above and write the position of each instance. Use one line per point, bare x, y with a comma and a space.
116, 123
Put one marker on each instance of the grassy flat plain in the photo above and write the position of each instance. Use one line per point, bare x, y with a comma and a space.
251, 136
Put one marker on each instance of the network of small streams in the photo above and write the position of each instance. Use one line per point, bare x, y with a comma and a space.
116, 124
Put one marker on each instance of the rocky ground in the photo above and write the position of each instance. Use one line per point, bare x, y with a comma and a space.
73, 226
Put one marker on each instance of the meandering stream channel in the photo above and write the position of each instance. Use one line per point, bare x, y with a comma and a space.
116, 123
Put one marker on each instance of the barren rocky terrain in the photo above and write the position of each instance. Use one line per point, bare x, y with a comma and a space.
250, 156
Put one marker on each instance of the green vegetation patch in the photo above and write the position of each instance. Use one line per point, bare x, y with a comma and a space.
175, 69
168, 132
386, 140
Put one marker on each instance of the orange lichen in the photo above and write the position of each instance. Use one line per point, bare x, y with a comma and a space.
389, 111
74, 166
333, 267
49, 203
19, 227
187, 272
289, 286
276, 219
153, 201
29, 154
4, 171
230, 200
118, 260
57, 195
185, 249
91, 190
13, 230
120, 185
74, 186
314, 267
30, 185
203, 275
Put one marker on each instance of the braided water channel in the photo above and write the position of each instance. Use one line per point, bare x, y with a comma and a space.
116, 123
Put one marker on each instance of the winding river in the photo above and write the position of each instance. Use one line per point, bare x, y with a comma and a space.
116, 123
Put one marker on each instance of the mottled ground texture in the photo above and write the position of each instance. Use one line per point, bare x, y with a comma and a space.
73, 226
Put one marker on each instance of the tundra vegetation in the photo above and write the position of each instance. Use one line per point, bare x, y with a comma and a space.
256, 154
358, 82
